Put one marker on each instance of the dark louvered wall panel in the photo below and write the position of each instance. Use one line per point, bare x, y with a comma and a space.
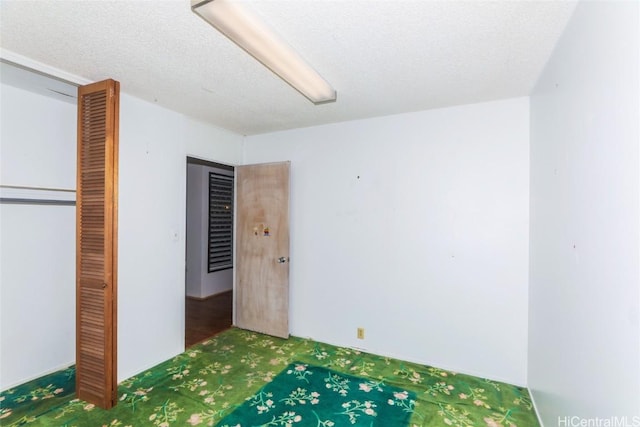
220, 242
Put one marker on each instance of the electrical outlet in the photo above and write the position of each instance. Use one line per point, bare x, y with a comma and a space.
360, 333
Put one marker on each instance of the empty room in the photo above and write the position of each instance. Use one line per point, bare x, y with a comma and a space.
419, 213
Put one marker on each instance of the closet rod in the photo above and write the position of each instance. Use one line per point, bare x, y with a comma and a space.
19, 201
24, 187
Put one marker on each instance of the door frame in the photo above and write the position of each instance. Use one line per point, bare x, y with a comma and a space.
191, 159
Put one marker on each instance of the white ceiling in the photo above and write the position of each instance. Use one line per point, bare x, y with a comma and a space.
382, 57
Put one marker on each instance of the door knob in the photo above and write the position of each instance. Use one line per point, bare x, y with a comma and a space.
282, 260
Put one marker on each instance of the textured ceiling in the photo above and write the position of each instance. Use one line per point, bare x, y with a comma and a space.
383, 57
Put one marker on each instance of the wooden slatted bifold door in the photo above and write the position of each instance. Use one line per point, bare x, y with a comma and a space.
96, 243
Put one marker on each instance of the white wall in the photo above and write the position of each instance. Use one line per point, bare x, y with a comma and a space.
38, 131
154, 143
150, 236
207, 142
414, 227
584, 324
201, 283
37, 243
194, 230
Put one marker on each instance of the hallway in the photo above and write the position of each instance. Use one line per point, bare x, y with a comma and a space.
207, 317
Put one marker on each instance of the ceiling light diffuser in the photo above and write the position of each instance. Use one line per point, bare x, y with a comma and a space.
259, 41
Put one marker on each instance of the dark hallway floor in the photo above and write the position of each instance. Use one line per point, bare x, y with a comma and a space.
205, 318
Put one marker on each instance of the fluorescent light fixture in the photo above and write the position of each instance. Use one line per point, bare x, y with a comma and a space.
259, 41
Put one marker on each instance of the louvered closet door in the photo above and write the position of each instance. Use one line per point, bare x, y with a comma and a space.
96, 243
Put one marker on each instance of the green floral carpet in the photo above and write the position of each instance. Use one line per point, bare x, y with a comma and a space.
211, 380
312, 395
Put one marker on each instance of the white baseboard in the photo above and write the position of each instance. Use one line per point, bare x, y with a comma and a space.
535, 407
41, 374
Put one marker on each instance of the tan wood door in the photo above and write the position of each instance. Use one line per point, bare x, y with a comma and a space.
96, 243
262, 248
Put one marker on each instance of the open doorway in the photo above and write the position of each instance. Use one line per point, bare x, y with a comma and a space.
209, 249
